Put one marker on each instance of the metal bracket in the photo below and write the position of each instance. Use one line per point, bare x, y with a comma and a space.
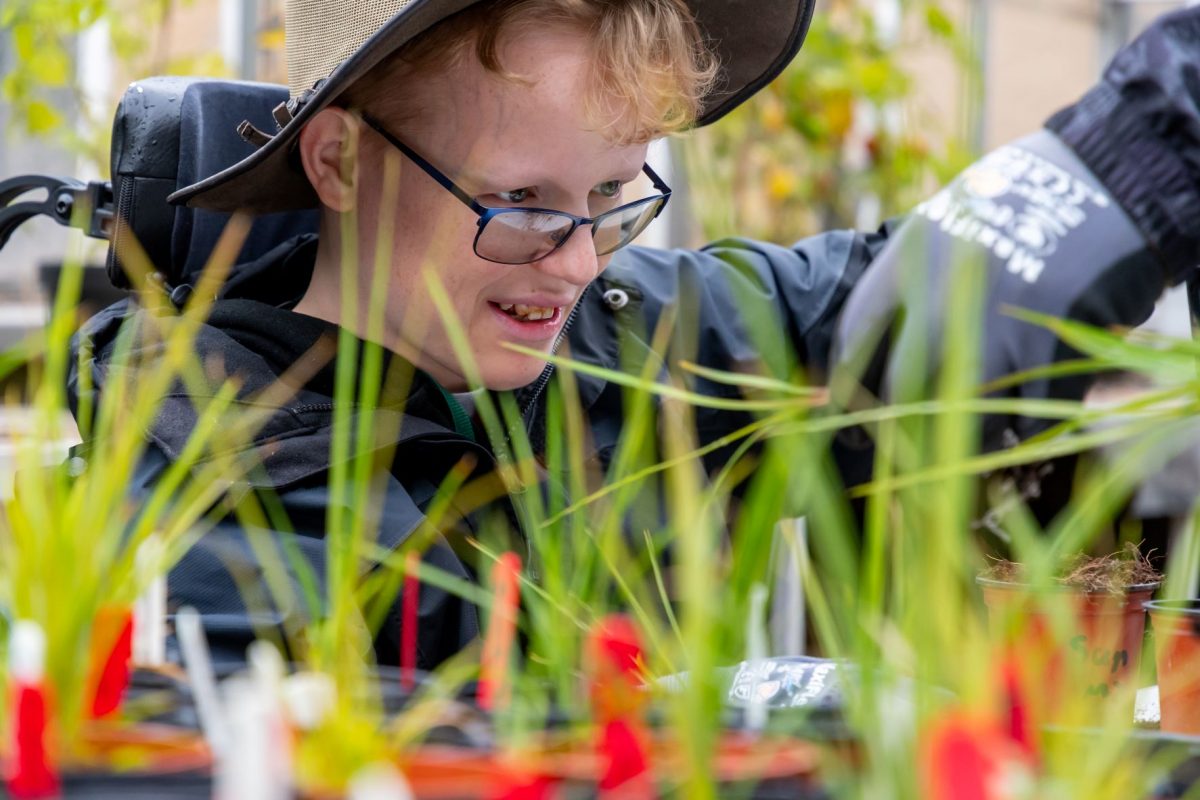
69, 202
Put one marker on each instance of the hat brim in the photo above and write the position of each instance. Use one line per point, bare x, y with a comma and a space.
753, 39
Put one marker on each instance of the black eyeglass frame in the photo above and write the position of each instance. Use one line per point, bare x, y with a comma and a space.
487, 213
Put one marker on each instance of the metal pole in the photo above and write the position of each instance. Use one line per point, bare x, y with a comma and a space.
1116, 23
975, 104
93, 75
249, 66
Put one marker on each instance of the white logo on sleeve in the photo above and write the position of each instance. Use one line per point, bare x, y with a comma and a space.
1017, 205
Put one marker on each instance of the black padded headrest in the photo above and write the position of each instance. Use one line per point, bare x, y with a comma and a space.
169, 133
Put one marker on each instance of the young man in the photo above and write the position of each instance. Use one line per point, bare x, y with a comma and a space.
516, 130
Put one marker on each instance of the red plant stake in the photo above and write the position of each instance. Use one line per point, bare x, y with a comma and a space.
408, 622
29, 772
108, 661
615, 656
501, 631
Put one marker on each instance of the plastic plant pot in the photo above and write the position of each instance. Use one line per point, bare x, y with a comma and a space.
141, 747
440, 772
449, 772
119, 761
750, 766
756, 767
774, 766
1176, 626
1073, 680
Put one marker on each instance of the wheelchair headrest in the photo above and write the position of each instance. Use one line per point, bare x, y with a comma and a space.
169, 133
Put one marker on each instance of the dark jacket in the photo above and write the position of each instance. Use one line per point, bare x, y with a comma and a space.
735, 304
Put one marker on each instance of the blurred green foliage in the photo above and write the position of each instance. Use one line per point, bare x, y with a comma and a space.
42, 87
841, 123
42, 33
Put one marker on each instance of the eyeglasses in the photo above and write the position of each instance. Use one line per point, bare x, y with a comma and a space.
526, 235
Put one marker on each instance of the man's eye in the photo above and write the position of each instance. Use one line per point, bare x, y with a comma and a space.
609, 188
515, 196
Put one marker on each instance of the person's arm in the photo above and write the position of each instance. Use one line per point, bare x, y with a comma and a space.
736, 305
1089, 219
739, 303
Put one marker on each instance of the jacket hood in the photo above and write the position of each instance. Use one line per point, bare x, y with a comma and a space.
260, 346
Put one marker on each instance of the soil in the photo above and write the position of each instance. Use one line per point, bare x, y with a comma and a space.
1111, 573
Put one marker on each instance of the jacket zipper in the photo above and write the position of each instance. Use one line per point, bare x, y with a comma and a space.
312, 407
544, 379
121, 232
535, 394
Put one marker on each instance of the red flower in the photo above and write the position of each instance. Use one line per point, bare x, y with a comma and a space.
513, 786
615, 659
626, 767
966, 757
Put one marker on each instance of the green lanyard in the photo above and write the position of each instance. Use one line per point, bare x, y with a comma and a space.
462, 421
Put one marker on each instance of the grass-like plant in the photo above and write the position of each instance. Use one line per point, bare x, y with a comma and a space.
675, 532
84, 534
683, 552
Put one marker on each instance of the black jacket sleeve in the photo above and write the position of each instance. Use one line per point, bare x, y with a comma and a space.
739, 302
736, 305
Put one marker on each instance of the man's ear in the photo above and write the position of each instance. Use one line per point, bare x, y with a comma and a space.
329, 152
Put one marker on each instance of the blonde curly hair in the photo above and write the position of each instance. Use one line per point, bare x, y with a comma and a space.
651, 66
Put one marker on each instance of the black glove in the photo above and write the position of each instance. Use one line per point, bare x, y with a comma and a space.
1090, 223
1138, 131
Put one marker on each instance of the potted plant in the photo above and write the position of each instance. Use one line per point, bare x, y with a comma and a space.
1079, 639
1176, 626
81, 523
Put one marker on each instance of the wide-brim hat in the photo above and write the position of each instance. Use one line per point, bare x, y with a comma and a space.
331, 44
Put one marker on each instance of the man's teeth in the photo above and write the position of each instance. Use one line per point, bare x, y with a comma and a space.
528, 313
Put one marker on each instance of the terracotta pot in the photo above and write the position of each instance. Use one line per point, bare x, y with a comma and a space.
739, 760
779, 767
440, 772
1072, 680
1176, 625
142, 747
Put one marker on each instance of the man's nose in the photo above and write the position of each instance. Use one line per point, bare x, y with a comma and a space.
575, 261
